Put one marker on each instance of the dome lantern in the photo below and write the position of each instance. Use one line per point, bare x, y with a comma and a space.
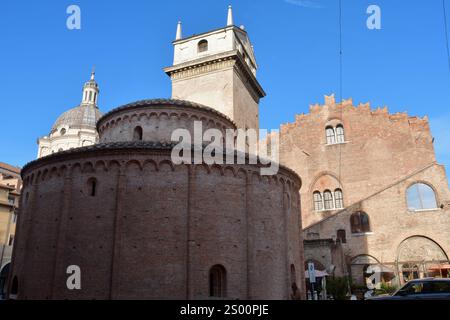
90, 91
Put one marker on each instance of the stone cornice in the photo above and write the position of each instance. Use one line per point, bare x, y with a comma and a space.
137, 148
217, 62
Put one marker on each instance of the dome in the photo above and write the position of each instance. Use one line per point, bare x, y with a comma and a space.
81, 116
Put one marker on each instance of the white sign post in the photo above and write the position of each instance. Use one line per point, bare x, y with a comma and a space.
312, 278
311, 272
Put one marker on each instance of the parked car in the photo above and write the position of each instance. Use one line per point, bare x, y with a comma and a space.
421, 289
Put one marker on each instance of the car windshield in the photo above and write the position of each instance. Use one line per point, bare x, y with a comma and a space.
424, 287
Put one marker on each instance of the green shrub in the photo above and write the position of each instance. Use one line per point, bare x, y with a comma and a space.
338, 287
386, 289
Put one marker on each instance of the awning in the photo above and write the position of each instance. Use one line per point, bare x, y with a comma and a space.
319, 274
437, 267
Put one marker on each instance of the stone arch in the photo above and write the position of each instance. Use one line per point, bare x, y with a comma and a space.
44, 174
418, 248
174, 115
364, 259
331, 175
88, 167
112, 163
133, 162
53, 172
241, 173
163, 116
229, 171
38, 177
100, 165
419, 256
277, 180
333, 121
150, 164
62, 171
142, 116
163, 163
4, 271
359, 265
215, 168
134, 117
317, 264
202, 167
75, 167
256, 177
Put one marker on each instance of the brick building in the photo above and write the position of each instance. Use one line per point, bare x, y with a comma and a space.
10, 185
140, 226
373, 193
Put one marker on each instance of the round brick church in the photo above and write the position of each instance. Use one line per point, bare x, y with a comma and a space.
140, 227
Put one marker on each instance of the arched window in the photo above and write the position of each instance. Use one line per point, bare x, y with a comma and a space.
359, 222
293, 275
340, 137
341, 236
62, 131
203, 46
328, 200
421, 197
217, 281
14, 288
137, 134
338, 199
92, 187
331, 138
318, 204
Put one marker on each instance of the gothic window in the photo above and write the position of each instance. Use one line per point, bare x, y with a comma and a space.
340, 137
92, 187
15, 287
11, 240
293, 274
341, 236
203, 46
359, 222
421, 197
217, 281
318, 204
137, 134
331, 138
338, 199
328, 200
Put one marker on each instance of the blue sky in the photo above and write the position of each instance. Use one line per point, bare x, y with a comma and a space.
44, 65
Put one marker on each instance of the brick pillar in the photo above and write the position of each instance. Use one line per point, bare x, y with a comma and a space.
189, 286
58, 266
114, 289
